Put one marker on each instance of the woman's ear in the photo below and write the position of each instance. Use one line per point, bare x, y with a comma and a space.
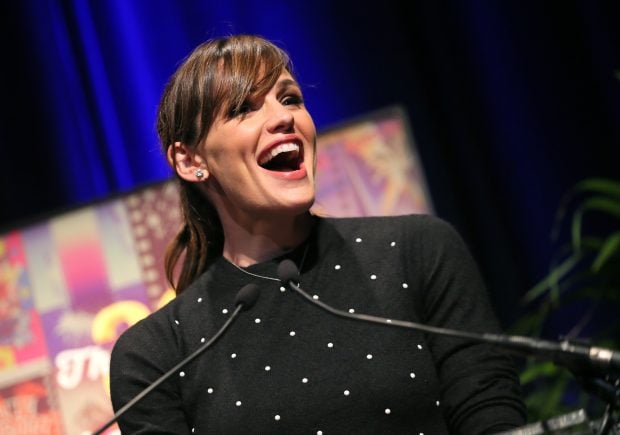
188, 164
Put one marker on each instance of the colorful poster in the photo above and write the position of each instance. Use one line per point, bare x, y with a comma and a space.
28, 408
370, 168
70, 285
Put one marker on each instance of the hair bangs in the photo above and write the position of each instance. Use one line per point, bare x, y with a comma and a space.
246, 69
216, 79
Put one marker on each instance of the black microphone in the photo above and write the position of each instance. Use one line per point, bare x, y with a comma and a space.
579, 358
245, 299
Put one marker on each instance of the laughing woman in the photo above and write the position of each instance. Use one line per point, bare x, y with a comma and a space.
234, 126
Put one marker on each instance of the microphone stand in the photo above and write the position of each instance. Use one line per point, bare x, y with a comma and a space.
607, 389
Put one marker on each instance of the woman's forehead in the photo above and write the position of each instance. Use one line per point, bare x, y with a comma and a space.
261, 85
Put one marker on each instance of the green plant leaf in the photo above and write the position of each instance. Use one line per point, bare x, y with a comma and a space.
529, 324
608, 294
600, 203
610, 248
593, 244
537, 370
600, 186
553, 278
554, 397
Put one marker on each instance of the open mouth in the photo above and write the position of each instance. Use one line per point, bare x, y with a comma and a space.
284, 157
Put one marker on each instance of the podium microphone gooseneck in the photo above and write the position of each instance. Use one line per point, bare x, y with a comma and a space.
576, 357
245, 299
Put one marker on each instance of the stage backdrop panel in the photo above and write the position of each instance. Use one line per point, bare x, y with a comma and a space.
71, 284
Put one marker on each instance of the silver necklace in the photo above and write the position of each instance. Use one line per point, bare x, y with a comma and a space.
301, 266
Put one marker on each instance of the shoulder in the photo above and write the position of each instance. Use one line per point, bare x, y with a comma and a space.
157, 331
147, 334
422, 226
426, 240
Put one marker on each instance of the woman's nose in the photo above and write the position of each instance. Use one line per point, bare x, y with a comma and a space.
280, 119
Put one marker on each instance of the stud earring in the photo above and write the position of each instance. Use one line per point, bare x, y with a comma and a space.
199, 173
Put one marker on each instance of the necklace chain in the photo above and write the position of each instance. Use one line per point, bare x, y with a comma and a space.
301, 265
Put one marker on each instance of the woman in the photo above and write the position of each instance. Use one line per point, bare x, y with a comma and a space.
234, 127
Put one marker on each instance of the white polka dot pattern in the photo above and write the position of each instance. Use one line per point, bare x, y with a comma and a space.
370, 351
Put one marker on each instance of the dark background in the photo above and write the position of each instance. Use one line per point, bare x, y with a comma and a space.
510, 103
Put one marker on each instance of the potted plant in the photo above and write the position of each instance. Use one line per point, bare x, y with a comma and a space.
579, 296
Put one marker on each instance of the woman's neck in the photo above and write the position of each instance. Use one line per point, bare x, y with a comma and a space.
255, 241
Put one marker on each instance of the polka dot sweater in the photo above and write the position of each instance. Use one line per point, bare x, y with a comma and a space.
286, 366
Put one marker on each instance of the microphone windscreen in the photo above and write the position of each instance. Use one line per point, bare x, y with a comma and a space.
247, 296
287, 271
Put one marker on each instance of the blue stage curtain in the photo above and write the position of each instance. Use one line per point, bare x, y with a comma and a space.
510, 102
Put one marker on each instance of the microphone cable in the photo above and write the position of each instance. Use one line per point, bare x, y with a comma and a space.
573, 356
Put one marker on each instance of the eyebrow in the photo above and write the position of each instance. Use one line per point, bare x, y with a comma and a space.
286, 83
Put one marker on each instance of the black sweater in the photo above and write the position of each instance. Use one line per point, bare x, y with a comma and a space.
286, 366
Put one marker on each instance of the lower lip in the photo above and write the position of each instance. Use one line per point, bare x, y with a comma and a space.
289, 175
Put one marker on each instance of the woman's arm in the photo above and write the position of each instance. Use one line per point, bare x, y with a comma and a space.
140, 356
479, 384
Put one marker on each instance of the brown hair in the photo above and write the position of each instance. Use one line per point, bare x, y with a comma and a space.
214, 80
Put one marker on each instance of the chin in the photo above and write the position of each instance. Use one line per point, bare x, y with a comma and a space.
295, 207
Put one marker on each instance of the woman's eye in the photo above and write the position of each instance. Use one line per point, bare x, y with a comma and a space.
292, 100
242, 109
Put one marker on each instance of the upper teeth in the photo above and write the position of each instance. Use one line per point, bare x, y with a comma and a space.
279, 149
